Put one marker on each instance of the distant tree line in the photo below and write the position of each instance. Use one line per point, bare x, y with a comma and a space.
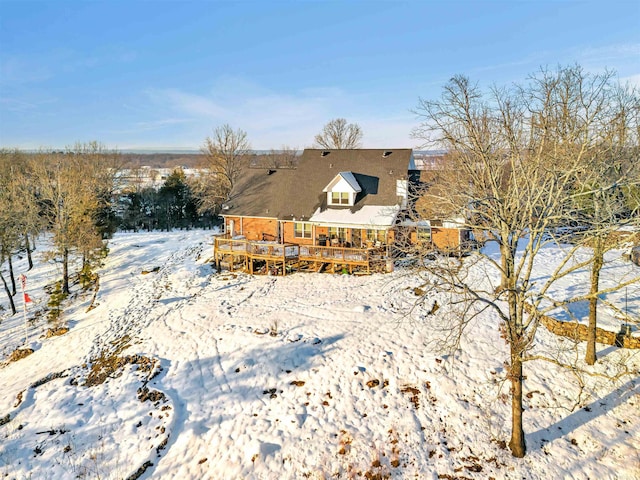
161, 160
173, 205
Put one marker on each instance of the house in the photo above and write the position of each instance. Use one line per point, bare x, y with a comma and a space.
355, 199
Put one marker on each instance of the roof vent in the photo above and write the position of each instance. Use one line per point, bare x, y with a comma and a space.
386, 153
325, 153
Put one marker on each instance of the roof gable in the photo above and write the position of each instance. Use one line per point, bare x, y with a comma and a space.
343, 182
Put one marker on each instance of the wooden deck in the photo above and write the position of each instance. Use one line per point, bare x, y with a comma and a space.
280, 259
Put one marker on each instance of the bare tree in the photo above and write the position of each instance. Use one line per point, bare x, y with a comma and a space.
285, 157
603, 201
338, 134
19, 213
514, 159
225, 155
23, 211
9, 221
74, 187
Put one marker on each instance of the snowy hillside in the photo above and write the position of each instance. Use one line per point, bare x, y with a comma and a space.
184, 373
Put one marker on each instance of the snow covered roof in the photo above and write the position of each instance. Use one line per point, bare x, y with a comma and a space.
373, 216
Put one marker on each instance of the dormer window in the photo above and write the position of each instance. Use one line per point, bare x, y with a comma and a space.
342, 190
339, 198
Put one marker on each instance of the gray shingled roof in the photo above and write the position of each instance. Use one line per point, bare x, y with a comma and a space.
287, 193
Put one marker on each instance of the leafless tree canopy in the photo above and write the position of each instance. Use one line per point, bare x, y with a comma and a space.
338, 134
225, 154
74, 187
515, 158
285, 157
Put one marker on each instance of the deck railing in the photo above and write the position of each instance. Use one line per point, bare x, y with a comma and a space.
288, 252
230, 244
273, 250
334, 254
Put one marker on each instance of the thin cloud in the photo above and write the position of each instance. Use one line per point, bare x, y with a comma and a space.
15, 105
622, 58
187, 103
31, 106
272, 119
615, 51
153, 125
41, 67
389, 132
633, 80
16, 70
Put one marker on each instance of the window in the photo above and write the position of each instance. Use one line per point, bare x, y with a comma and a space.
376, 235
424, 234
301, 230
339, 198
338, 233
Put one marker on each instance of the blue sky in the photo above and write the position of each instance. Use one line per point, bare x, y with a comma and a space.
162, 74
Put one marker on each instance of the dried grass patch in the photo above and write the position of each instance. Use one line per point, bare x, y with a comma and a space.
19, 354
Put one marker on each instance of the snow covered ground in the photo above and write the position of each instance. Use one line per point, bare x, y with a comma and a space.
188, 374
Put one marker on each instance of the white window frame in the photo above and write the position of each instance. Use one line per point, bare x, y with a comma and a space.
375, 235
338, 232
344, 198
302, 230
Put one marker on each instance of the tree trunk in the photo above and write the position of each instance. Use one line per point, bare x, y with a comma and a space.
65, 271
598, 261
12, 276
507, 263
27, 245
9, 296
503, 273
517, 442
516, 341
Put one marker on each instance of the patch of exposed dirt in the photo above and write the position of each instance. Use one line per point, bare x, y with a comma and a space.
414, 392
56, 332
153, 396
47, 379
138, 473
19, 354
111, 366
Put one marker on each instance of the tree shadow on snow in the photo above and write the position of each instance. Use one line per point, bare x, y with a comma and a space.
595, 409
